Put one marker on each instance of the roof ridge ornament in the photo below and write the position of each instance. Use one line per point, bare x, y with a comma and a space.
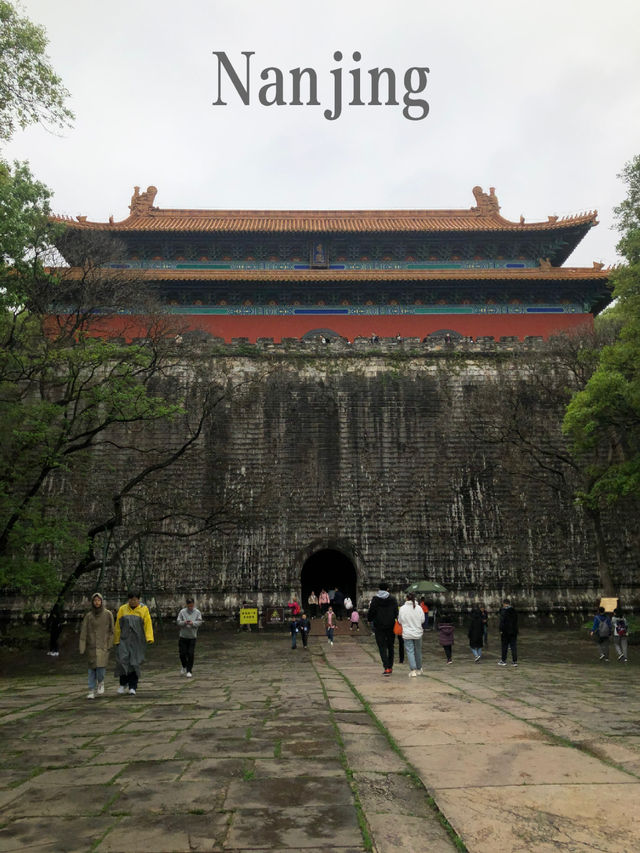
142, 203
487, 203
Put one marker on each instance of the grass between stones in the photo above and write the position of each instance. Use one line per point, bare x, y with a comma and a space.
410, 771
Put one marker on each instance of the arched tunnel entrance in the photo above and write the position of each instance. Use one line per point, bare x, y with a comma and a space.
326, 569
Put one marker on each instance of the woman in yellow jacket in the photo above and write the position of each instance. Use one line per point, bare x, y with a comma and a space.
133, 630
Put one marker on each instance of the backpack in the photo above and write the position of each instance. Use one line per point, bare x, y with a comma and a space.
604, 628
621, 627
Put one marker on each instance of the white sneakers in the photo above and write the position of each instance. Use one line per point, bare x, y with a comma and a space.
100, 688
183, 671
189, 675
122, 689
132, 692
91, 695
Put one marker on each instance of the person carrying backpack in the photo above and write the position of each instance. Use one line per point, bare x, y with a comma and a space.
601, 630
620, 631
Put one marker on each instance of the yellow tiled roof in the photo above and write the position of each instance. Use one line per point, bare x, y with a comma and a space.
484, 216
319, 275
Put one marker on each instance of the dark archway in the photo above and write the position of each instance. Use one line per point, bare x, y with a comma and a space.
326, 569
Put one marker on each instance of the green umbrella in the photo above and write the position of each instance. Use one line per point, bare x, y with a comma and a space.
421, 587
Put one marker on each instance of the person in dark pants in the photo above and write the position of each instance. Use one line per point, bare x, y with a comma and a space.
132, 632
304, 626
189, 620
383, 612
508, 633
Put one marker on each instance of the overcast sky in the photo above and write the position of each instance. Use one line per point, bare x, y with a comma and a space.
540, 100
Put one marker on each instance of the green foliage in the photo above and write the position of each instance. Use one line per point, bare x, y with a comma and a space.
603, 420
30, 91
66, 394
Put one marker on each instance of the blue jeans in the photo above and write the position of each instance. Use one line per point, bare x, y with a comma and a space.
96, 676
476, 652
413, 648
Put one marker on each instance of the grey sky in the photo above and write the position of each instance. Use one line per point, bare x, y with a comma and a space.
540, 100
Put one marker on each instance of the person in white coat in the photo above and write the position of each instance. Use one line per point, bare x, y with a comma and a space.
411, 617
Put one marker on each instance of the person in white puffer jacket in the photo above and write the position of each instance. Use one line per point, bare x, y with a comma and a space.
411, 617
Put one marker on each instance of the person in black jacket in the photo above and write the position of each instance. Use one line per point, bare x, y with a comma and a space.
508, 633
383, 612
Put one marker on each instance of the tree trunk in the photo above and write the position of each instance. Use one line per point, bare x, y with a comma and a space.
602, 553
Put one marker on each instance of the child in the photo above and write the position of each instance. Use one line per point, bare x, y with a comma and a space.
445, 635
354, 619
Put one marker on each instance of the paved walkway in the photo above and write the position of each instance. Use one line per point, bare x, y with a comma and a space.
272, 749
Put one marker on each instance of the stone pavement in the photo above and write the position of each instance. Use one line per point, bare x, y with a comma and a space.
272, 749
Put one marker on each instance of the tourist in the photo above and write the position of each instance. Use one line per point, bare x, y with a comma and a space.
485, 626
323, 601
354, 620
312, 604
411, 617
601, 630
330, 619
508, 633
304, 626
620, 631
382, 613
348, 606
294, 606
476, 633
96, 638
133, 630
294, 630
189, 620
445, 635
425, 609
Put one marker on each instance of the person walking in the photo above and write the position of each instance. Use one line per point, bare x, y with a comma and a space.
133, 631
620, 631
445, 636
411, 617
382, 613
485, 626
508, 633
294, 630
330, 619
304, 627
476, 633
348, 606
354, 620
601, 630
189, 620
96, 638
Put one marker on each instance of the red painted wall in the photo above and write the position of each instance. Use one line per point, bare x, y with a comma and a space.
251, 327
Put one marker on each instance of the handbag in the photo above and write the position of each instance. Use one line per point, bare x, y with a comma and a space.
397, 629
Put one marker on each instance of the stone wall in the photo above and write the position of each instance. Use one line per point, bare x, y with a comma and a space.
366, 452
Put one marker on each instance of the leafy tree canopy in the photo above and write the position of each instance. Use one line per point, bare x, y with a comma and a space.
30, 90
603, 421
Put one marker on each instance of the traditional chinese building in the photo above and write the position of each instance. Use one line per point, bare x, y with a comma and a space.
297, 273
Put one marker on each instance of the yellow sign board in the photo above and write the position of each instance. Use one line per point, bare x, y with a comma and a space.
249, 616
609, 604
